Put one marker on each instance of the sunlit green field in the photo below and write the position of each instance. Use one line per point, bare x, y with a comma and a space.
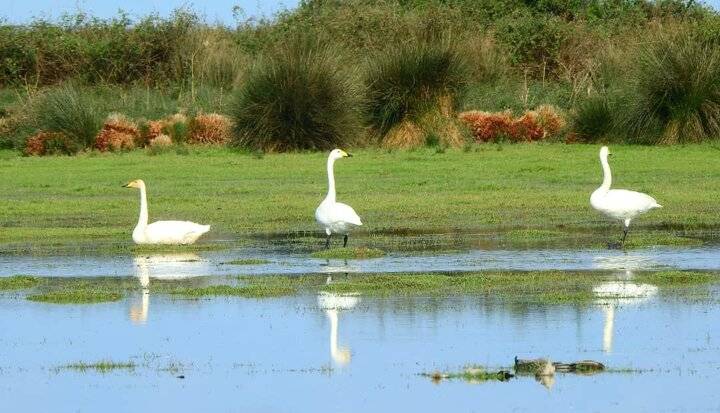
504, 188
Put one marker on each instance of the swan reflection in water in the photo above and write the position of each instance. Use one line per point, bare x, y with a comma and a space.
165, 266
333, 304
611, 295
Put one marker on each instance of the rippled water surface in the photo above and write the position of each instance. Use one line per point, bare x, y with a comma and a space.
216, 262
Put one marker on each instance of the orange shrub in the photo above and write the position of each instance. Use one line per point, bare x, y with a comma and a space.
210, 128
117, 133
486, 126
46, 143
531, 126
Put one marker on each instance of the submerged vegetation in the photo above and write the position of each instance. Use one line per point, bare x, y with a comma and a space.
103, 366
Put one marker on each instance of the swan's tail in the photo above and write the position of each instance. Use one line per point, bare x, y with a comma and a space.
657, 205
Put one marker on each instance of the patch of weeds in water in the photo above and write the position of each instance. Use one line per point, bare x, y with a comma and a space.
75, 297
541, 287
103, 366
349, 253
18, 282
246, 291
471, 374
677, 278
247, 261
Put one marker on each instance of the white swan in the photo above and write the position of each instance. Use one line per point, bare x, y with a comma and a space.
335, 217
162, 232
619, 203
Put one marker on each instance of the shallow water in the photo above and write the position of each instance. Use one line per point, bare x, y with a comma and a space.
357, 354
173, 265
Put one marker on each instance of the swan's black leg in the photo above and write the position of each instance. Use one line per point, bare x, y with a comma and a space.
327, 242
625, 232
345, 241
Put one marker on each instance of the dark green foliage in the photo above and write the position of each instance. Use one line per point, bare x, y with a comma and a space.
71, 111
407, 81
296, 98
533, 40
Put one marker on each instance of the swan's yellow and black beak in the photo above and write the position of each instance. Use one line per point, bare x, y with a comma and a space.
347, 155
131, 184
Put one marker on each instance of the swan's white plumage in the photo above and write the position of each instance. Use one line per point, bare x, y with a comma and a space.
619, 203
163, 232
335, 217
171, 232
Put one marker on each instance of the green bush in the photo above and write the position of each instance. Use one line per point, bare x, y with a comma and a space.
72, 111
296, 97
533, 40
405, 82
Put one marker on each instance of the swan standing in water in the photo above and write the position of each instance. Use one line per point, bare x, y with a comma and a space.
619, 203
162, 232
335, 217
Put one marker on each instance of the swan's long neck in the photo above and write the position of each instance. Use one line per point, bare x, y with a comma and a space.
143, 220
331, 180
607, 176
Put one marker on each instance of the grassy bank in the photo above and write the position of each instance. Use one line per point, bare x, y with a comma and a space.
63, 201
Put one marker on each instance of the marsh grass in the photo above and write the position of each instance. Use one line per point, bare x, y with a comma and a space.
103, 366
70, 110
18, 282
676, 91
349, 253
297, 97
408, 84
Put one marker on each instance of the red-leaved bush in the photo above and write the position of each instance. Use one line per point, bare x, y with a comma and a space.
532, 126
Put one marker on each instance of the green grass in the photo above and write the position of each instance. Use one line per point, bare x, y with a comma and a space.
247, 261
18, 282
104, 366
61, 202
248, 291
75, 297
528, 287
349, 253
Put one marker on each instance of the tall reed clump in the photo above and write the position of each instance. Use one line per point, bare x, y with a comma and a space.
675, 92
296, 97
413, 90
668, 92
69, 111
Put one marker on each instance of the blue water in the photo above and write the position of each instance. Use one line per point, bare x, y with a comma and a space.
277, 355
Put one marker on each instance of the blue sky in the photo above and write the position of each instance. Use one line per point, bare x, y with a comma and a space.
19, 11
